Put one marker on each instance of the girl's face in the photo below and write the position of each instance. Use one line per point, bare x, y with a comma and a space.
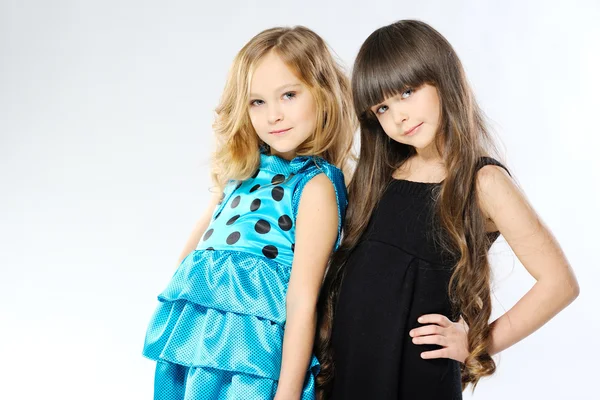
411, 117
282, 109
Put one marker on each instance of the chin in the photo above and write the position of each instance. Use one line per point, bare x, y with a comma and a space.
282, 149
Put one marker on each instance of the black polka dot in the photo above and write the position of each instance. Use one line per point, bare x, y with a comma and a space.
254, 188
235, 201
277, 193
270, 251
232, 219
256, 173
285, 222
233, 238
262, 226
255, 205
293, 247
208, 234
210, 248
277, 179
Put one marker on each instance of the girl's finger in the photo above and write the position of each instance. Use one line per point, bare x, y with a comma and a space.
431, 339
427, 330
439, 319
440, 353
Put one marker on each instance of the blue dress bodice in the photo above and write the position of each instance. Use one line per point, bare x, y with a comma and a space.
258, 215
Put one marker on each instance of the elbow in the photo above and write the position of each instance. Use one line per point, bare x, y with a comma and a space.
301, 300
301, 308
563, 290
571, 286
574, 289
569, 289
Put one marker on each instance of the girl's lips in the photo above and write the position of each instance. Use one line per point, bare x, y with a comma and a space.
412, 130
279, 132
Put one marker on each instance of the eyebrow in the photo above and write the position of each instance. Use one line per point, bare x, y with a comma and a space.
377, 106
280, 88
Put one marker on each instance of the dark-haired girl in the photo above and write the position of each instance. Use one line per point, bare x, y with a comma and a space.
405, 308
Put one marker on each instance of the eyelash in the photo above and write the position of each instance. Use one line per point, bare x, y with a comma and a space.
409, 91
381, 112
253, 103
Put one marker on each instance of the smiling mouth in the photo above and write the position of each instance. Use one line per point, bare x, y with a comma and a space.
279, 132
411, 130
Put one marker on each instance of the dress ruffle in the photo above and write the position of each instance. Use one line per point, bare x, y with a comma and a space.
213, 314
178, 382
231, 281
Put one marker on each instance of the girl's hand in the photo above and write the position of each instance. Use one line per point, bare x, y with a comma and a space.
452, 336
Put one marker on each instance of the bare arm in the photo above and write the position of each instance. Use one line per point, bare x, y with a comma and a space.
509, 212
316, 232
536, 248
200, 226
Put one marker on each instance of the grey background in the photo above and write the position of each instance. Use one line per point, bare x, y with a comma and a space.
105, 122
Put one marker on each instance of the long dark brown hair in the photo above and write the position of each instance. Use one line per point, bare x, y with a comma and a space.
408, 54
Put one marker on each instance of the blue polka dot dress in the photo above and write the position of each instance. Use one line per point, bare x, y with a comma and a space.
217, 332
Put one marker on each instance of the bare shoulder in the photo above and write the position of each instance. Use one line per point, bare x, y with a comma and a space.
493, 177
493, 180
318, 188
495, 188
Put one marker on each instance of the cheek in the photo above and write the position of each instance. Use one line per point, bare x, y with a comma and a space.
307, 111
433, 105
435, 117
387, 124
255, 119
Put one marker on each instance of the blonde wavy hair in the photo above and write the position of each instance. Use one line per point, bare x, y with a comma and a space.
237, 153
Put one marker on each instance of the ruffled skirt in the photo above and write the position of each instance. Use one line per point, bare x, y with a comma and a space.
217, 332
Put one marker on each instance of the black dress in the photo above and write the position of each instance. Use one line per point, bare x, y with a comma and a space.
396, 273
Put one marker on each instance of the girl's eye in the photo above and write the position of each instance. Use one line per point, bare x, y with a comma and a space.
381, 110
406, 94
254, 103
289, 95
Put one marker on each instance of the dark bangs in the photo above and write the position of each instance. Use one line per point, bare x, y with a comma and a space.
389, 62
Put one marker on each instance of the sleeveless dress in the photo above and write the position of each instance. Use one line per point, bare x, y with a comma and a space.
217, 332
394, 275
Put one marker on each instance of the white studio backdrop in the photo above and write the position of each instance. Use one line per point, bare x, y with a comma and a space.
105, 135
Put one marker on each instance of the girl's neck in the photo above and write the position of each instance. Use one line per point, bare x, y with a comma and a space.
422, 167
290, 155
429, 153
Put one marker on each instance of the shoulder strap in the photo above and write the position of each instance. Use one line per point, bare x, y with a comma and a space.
483, 161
